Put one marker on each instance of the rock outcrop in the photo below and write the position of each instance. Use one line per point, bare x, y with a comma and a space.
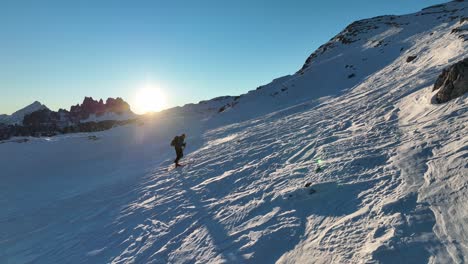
91, 106
452, 83
411, 58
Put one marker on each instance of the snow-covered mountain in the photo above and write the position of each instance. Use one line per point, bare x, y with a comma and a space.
17, 117
384, 165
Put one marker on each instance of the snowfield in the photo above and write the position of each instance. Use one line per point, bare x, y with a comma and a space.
388, 167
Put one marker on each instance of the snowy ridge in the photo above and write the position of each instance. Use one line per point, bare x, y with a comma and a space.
391, 188
362, 49
207, 107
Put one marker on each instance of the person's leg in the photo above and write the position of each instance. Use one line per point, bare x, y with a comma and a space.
176, 161
179, 156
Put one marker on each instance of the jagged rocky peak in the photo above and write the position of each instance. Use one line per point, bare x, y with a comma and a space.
117, 105
91, 106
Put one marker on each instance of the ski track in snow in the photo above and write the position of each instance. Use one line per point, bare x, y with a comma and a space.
391, 188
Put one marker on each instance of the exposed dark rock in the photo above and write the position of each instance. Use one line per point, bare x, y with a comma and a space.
459, 29
352, 75
91, 106
452, 82
45, 120
226, 106
346, 40
4, 132
378, 43
221, 109
117, 105
411, 58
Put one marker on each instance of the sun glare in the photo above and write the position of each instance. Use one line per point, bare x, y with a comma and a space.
149, 99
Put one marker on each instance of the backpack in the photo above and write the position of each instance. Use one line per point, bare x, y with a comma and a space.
173, 142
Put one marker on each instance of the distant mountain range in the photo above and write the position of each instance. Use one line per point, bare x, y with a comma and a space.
112, 109
91, 115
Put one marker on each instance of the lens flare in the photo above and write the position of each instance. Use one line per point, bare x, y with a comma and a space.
149, 99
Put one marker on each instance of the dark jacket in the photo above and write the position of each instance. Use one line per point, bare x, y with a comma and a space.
178, 142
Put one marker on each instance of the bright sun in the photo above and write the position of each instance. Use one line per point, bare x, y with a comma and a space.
149, 99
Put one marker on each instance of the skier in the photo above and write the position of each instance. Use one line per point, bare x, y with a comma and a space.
179, 145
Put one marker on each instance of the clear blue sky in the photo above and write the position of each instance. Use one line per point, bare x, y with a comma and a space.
57, 52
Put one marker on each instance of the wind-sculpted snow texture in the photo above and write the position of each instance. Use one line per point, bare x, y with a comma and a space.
392, 186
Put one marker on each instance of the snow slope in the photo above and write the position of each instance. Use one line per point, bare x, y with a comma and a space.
392, 184
109, 116
17, 117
